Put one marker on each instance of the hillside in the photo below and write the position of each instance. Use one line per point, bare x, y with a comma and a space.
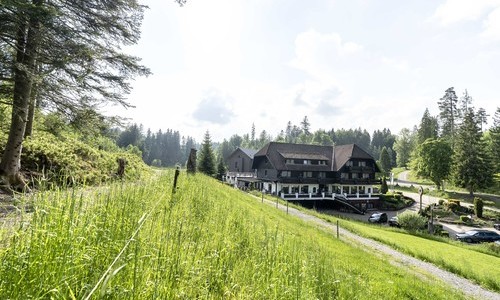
138, 241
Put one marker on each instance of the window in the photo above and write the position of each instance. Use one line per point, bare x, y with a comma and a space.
307, 162
235, 164
354, 175
362, 163
366, 176
322, 162
289, 161
344, 176
321, 175
308, 174
265, 172
349, 163
286, 173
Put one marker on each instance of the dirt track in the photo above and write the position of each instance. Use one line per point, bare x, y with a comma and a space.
423, 269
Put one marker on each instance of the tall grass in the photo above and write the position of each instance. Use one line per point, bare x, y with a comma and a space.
138, 241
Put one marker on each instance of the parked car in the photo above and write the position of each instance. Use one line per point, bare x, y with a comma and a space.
378, 218
496, 226
478, 236
394, 222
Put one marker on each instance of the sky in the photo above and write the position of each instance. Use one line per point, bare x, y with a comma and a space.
222, 65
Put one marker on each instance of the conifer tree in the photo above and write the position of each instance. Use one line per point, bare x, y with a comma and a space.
428, 128
449, 114
471, 162
206, 157
495, 141
385, 160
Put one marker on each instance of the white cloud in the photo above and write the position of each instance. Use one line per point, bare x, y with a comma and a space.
454, 11
492, 26
318, 53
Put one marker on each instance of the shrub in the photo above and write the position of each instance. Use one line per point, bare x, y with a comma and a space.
452, 206
444, 233
465, 219
441, 201
478, 207
384, 188
412, 221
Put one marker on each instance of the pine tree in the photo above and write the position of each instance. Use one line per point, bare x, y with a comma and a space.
449, 114
471, 163
67, 55
306, 126
495, 141
206, 157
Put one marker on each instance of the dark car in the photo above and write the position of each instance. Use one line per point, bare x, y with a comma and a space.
378, 218
478, 236
394, 222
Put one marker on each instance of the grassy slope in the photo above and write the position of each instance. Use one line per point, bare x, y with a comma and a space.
208, 241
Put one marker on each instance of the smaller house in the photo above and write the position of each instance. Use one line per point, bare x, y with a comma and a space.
240, 172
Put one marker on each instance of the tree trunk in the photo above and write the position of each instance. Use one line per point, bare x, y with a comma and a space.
31, 110
27, 43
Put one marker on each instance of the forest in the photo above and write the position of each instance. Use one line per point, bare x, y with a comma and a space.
457, 145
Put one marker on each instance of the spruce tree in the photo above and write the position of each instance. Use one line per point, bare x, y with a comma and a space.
471, 162
428, 128
385, 160
449, 114
495, 141
206, 157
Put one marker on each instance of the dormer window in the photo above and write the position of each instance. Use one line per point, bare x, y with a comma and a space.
307, 162
349, 163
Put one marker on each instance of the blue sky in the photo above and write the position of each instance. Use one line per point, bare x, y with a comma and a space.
223, 65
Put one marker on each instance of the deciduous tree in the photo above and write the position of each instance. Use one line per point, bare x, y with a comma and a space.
432, 160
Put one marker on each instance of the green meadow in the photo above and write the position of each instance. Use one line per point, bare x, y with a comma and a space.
140, 241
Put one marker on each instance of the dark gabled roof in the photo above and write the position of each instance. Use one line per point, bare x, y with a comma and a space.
275, 152
335, 156
343, 153
249, 152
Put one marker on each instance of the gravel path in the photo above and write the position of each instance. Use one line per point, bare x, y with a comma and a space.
400, 259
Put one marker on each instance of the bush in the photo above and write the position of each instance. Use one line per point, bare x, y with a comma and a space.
412, 221
452, 206
478, 207
465, 219
441, 201
444, 233
384, 188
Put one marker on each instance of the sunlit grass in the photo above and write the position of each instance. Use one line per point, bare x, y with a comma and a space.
206, 241
463, 260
